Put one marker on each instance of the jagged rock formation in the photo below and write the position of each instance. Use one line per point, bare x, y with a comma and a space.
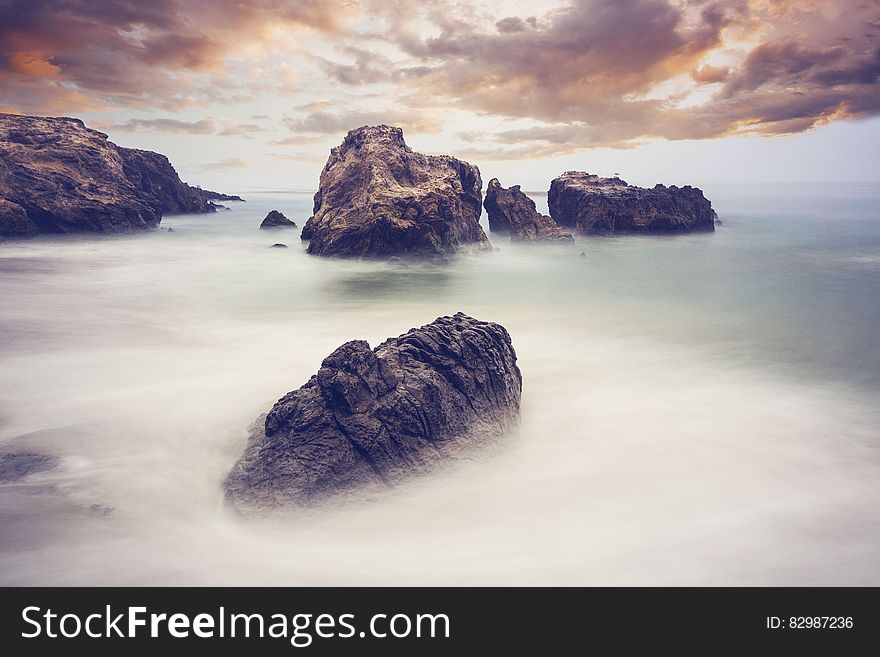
377, 198
58, 176
590, 204
276, 219
511, 211
217, 196
372, 417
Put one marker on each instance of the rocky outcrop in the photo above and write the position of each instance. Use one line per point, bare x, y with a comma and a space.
68, 178
158, 184
590, 204
378, 198
277, 220
511, 211
217, 196
372, 417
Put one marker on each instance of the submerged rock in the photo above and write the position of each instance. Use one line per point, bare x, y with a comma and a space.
590, 204
68, 178
278, 245
372, 417
277, 220
377, 198
511, 211
18, 465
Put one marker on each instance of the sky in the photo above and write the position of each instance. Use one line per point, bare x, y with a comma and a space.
251, 94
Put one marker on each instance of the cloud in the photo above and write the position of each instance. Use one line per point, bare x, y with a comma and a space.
613, 72
202, 127
122, 52
708, 74
323, 122
247, 130
226, 165
582, 73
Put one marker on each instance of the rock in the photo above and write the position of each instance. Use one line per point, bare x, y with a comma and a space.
277, 220
217, 196
377, 198
157, 183
18, 465
278, 245
590, 204
511, 211
718, 222
68, 178
14, 220
371, 418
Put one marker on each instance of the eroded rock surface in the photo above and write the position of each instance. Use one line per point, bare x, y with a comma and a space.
67, 178
512, 211
378, 198
372, 417
589, 204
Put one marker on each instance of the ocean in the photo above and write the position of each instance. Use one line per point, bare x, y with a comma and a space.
697, 409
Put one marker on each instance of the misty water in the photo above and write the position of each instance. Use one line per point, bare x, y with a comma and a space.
698, 409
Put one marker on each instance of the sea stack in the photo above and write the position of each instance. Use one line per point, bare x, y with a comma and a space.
379, 198
589, 204
276, 219
58, 176
511, 211
371, 418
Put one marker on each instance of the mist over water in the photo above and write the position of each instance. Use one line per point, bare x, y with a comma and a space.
697, 409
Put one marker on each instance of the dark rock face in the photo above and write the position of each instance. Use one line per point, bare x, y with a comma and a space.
217, 196
277, 220
378, 198
68, 178
159, 185
370, 418
590, 204
18, 465
511, 211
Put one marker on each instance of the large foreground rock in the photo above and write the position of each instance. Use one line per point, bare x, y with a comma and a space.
511, 211
379, 198
58, 176
372, 417
590, 204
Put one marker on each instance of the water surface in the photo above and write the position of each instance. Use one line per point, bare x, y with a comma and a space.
696, 409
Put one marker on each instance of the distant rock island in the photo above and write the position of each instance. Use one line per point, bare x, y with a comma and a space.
217, 196
379, 198
589, 204
58, 176
275, 219
373, 417
511, 211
